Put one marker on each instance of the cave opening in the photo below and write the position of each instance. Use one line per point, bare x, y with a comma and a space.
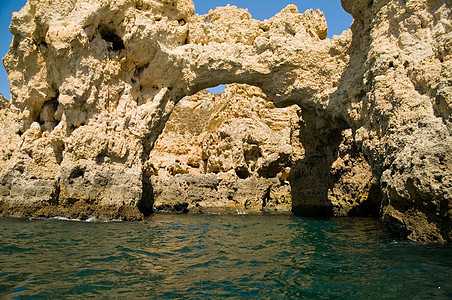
112, 38
231, 144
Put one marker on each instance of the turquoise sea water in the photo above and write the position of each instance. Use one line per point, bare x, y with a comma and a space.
217, 256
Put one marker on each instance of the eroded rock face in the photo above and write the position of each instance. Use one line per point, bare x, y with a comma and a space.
401, 110
89, 102
93, 84
226, 152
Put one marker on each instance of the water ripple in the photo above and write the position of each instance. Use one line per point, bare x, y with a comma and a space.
217, 256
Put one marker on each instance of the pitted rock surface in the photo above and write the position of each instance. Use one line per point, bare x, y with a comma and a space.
94, 82
226, 152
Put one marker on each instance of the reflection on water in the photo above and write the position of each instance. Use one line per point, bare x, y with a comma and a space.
208, 256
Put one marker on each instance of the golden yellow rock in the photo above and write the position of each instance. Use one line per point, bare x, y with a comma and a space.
236, 140
94, 82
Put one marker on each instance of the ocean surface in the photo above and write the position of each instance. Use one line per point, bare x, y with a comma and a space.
174, 256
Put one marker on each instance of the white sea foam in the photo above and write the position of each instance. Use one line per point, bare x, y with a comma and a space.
65, 219
155, 209
89, 220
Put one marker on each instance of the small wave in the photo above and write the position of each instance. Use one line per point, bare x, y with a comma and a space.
65, 219
89, 220
157, 210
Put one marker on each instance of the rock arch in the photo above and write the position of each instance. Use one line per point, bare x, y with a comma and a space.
117, 69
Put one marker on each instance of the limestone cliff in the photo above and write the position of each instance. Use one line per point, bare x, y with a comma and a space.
399, 107
94, 82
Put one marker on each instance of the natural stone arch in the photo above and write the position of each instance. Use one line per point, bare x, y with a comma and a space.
114, 99
388, 84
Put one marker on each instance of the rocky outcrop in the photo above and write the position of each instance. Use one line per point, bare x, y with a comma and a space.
234, 151
93, 84
396, 114
228, 152
89, 103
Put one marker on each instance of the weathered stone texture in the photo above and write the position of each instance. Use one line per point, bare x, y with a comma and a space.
398, 120
226, 152
94, 82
